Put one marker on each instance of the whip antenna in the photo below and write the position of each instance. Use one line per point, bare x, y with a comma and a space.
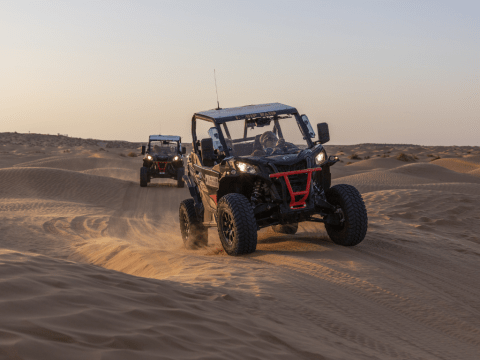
216, 90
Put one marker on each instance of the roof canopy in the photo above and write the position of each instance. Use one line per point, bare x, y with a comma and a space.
246, 112
165, 137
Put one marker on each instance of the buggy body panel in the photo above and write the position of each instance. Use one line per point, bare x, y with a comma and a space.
282, 188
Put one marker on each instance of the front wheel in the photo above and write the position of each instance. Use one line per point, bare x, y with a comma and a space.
237, 227
353, 215
194, 234
143, 176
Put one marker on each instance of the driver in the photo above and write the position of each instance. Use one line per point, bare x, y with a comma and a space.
269, 144
282, 147
273, 145
268, 139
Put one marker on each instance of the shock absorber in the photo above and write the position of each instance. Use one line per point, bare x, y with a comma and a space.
318, 190
320, 198
256, 191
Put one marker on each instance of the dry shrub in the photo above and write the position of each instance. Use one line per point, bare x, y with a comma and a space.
354, 156
366, 157
435, 158
384, 155
405, 157
66, 151
132, 154
123, 155
350, 162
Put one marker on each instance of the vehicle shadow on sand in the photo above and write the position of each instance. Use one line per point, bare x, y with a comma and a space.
302, 244
159, 185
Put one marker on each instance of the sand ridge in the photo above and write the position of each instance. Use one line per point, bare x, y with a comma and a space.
93, 266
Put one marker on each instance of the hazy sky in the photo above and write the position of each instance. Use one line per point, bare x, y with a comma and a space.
376, 71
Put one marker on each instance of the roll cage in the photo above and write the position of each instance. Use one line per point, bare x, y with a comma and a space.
164, 145
251, 114
165, 139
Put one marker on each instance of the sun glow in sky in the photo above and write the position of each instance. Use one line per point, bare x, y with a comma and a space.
376, 71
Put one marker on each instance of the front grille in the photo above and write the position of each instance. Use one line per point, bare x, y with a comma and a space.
301, 165
161, 165
299, 181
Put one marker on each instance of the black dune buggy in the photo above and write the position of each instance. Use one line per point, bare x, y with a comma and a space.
163, 159
245, 173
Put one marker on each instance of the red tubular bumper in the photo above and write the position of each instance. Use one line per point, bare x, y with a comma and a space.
300, 203
162, 165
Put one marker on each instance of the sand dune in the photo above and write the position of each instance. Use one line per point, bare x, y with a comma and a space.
77, 163
458, 165
88, 312
474, 172
375, 163
45, 183
417, 175
116, 173
93, 266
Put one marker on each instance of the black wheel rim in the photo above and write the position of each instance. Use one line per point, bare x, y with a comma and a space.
342, 218
186, 226
228, 228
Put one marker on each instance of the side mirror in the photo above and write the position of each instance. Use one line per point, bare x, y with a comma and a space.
323, 134
143, 149
184, 151
305, 120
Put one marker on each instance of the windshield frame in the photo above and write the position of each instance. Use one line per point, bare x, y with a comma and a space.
303, 128
170, 143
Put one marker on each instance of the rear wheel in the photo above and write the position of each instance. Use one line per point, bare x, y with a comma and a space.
180, 173
237, 227
143, 176
351, 209
194, 234
290, 229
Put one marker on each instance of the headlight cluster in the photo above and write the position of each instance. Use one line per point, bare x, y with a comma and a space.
149, 157
246, 168
321, 157
176, 158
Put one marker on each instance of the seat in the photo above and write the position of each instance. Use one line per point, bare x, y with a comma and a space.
208, 154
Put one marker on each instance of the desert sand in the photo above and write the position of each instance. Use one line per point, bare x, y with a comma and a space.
93, 267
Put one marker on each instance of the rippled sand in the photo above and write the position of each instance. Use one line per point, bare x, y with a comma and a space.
92, 266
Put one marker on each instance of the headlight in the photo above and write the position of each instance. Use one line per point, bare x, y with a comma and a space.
243, 167
175, 158
321, 157
149, 157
